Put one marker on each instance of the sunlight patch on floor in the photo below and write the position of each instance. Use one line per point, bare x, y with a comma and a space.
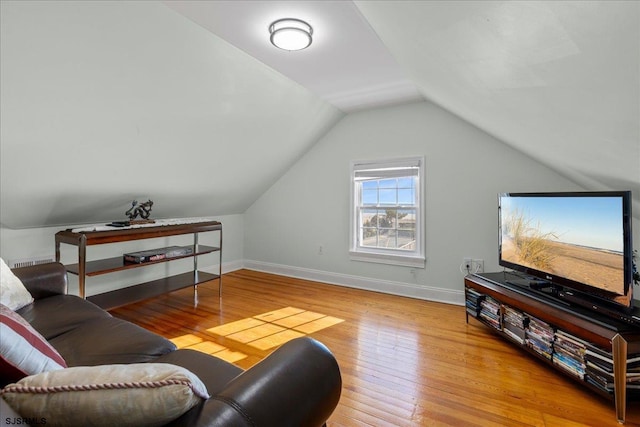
263, 331
274, 328
193, 342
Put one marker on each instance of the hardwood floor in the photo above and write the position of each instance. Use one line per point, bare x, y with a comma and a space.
404, 362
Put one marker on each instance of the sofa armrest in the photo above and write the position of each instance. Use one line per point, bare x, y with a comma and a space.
43, 280
297, 385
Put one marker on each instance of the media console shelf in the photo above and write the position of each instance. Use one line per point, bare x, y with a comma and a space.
608, 335
103, 235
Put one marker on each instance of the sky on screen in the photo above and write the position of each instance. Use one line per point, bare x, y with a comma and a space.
587, 221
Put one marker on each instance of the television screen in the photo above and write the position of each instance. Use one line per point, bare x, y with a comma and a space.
581, 240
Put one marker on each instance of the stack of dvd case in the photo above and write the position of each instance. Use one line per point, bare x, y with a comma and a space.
633, 372
514, 324
599, 371
472, 301
490, 312
539, 337
599, 368
569, 353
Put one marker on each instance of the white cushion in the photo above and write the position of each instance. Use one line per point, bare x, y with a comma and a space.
139, 394
13, 294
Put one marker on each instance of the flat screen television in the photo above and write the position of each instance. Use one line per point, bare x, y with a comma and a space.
577, 244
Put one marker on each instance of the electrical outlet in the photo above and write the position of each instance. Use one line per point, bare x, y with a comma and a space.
477, 266
467, 264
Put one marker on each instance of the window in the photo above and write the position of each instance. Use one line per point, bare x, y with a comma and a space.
387, 211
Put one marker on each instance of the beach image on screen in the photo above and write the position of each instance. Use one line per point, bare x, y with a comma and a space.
578, 238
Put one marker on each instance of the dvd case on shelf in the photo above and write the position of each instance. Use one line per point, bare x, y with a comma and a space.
599, 369
569, 353
514, 324
539, 337
490, 312
472, 302
157, 254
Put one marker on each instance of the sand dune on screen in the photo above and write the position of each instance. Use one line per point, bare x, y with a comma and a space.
586, 265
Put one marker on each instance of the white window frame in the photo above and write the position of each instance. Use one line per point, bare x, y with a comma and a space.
357, 252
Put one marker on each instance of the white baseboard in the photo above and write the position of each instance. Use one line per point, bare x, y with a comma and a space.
411, 290
227, 267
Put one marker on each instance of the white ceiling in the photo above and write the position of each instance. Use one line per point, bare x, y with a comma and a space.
346, 65
558, 80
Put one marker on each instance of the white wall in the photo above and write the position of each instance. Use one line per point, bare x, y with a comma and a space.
465, 169
308, 207
39, 242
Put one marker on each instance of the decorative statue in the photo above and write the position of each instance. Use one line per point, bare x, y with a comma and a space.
143, 210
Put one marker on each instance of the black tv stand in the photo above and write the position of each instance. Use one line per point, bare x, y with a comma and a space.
619, 339
579, 301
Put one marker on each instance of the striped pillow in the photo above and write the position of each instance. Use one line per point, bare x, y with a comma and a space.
23, 351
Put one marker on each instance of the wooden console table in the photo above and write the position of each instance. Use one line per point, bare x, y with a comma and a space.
119, 297
620, 339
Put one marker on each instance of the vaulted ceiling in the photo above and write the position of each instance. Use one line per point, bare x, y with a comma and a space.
99, 98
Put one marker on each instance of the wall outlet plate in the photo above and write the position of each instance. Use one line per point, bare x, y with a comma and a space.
477, 266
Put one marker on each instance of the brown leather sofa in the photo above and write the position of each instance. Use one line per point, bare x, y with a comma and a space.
299, 384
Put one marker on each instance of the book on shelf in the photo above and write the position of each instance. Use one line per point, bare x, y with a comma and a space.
158, 254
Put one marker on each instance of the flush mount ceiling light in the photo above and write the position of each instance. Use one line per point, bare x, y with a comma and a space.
290, 34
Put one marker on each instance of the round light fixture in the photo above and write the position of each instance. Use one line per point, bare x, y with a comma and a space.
290, 34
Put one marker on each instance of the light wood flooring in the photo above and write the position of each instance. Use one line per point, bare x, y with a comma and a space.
404, 362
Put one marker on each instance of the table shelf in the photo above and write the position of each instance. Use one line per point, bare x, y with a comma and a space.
151, 289
83, 238
110, 265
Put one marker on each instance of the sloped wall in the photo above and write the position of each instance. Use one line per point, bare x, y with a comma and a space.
105, 102
465, 169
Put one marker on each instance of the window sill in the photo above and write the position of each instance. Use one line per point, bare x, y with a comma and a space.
392, 259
